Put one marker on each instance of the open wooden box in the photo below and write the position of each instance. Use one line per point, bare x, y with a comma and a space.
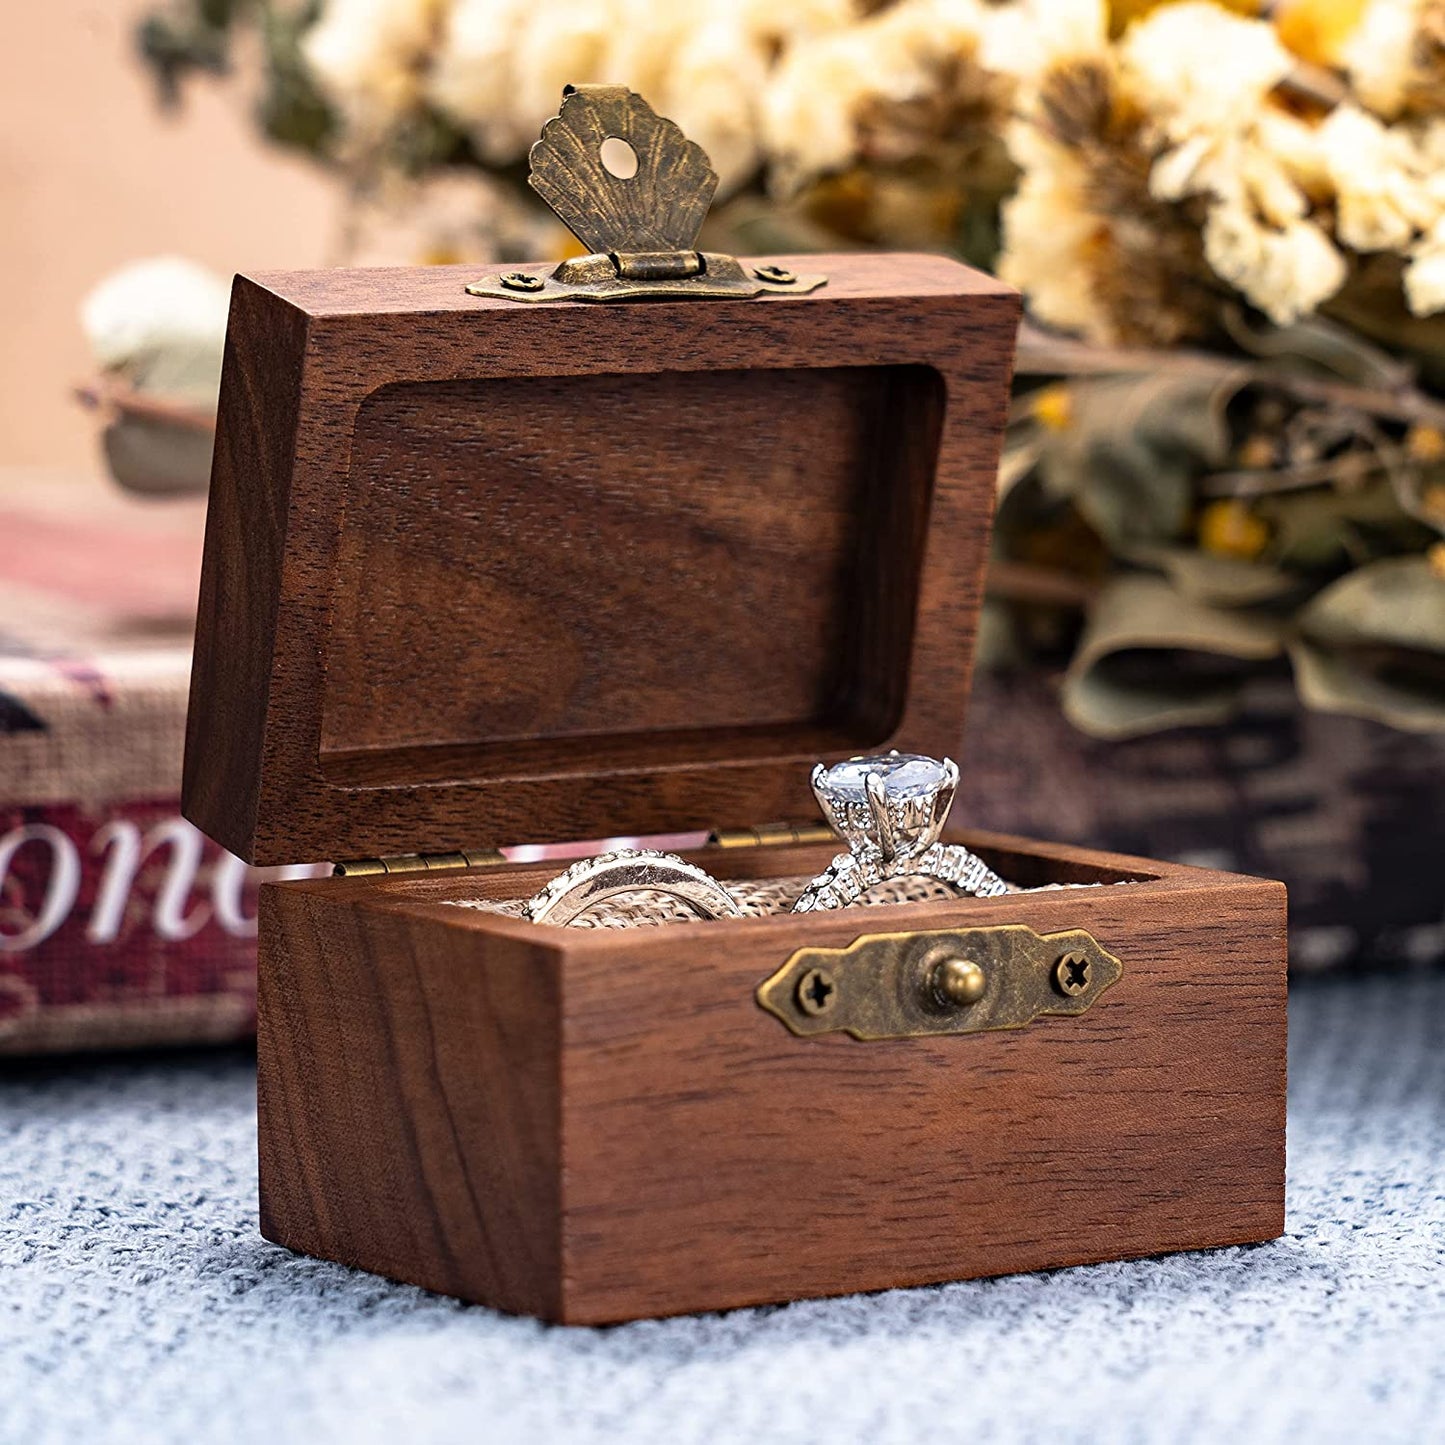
481, 573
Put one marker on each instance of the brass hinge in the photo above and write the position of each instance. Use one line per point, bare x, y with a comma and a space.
490, 857
634, 191
419, 863
771, 833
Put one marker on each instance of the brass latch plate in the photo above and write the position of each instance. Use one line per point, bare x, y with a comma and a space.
953, 981
639, 224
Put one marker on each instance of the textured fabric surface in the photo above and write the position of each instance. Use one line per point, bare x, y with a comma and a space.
139, 1303
652, 908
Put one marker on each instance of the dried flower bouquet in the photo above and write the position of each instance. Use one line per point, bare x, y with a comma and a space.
1229, 444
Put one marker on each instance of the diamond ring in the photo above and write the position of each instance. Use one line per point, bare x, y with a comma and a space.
591, 881
890, 809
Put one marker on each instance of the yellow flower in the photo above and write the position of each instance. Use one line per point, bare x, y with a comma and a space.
1053, 406
1426, 443
1229, 529
1432, 503
1316, 30
1257, 452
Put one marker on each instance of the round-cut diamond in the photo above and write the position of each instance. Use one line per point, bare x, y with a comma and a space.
904, 775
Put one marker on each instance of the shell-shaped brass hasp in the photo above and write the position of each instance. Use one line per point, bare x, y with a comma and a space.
660, 207
640, 224
953, 981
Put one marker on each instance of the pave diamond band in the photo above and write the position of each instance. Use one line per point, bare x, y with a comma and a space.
591, 881
850, 875
890, 809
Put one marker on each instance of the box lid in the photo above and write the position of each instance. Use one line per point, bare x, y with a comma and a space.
478, 573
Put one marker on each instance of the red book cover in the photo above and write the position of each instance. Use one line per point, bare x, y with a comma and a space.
120, 925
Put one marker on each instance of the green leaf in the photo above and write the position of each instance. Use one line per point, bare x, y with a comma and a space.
1373, 645
1136, 444
1152, 658
158, 458
1372, 302
1318, 344
1227, 581
1323, 528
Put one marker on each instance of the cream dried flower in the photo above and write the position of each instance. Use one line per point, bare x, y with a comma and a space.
368, 57
1395, 58
1084, 237
502, 66
1205, 78
1387, 183
1238, 169
1295, 145
711, 88
1026, 38
1194, 68
1425, 275
472, 75
713, 82
1052, 240
1287, 271
860, 93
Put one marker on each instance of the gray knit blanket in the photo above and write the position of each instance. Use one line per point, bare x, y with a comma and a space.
138, 1302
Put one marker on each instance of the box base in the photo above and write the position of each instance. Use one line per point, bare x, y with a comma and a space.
596, 1125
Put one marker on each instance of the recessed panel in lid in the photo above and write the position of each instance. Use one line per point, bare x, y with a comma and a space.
529, 564
482, 574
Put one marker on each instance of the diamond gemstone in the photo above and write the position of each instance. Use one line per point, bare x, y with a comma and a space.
905, 775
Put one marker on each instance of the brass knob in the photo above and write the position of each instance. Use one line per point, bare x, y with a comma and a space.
958, 982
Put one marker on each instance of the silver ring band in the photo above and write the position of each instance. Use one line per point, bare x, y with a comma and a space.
591, 881
851, 875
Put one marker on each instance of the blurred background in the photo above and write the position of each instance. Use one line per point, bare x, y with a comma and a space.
1215, 627
94, 174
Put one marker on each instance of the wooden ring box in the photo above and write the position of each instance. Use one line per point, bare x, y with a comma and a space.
480, 573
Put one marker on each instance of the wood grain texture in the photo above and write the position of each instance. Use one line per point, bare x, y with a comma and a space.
466, 554
410, 1108
687, 1152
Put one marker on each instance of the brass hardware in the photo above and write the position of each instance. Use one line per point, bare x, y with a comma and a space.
419, 863
816, 992
954, 981
1071, 973
640, 228
771, 833
489, 857
957, 982
657, 265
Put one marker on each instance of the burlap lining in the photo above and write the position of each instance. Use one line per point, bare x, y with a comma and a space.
757, 898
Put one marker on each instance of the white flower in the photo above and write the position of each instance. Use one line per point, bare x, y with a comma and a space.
809, 107
712, 89
1229, 168
1296, 146
502, 66
1379, 55
367, 56
646, 38
772, 23
1386, 178
823, 87
1286, 271
162, 325
472, 75
1195, 67
1425, 275
1027, 37
1050, 238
